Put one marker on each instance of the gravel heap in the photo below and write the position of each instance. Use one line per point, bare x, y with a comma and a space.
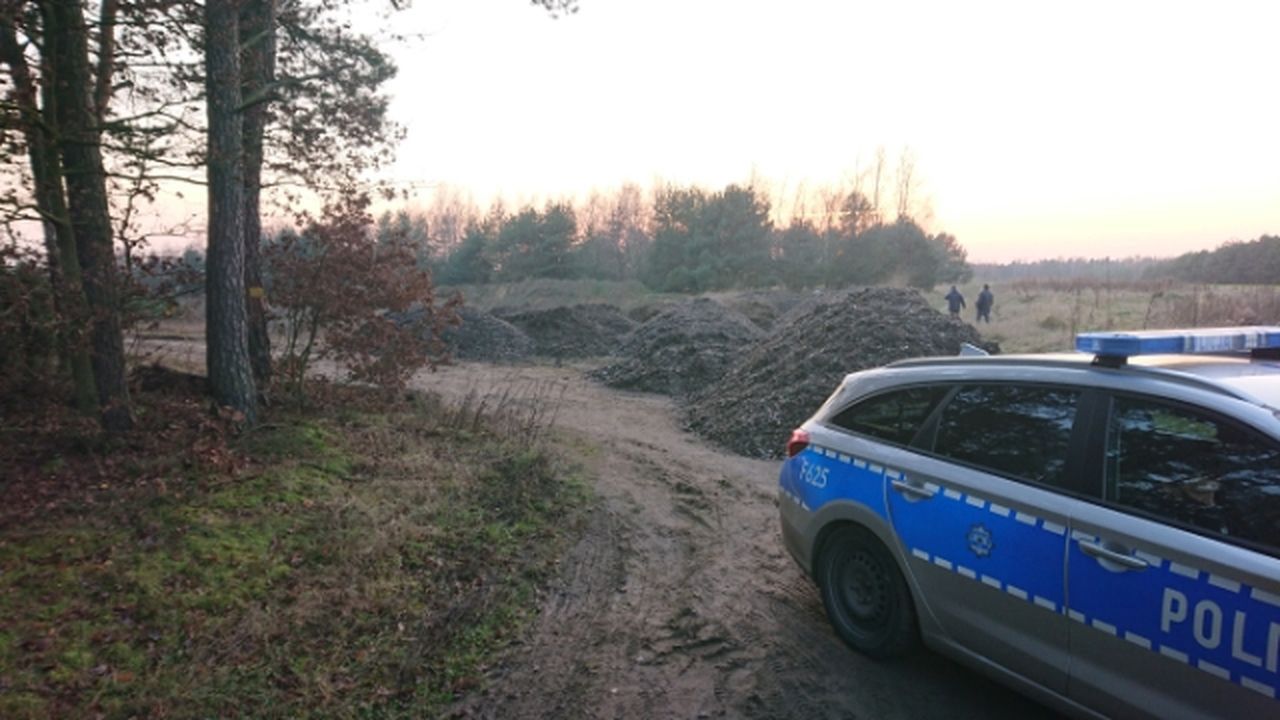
754, 406
681, 349
578, 331
482, 336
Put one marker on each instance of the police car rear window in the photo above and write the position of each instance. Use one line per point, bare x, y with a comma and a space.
1023, 431
1177, 463
894, 416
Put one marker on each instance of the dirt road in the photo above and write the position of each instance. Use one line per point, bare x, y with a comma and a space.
679, 601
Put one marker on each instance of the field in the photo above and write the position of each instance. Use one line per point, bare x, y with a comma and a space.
1044, 316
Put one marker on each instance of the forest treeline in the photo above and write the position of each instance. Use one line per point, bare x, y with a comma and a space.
1253, 262
677, 239
1094, 269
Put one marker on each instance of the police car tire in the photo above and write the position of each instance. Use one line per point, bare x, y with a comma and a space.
853, 555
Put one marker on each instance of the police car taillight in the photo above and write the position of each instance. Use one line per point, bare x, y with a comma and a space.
798, 442
1115, 347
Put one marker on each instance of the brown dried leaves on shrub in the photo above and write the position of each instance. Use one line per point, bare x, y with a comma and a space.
340, 292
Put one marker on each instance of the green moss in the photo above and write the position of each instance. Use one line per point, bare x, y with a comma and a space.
121, 655
71, 664
150, 573
293, 439
23, 704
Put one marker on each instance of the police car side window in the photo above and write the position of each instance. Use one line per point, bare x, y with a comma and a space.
1180, 464
1015, 430
893, 416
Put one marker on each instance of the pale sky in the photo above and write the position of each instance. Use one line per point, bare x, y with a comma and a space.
1071, 129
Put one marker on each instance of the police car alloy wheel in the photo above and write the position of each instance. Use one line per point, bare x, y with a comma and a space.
865, 594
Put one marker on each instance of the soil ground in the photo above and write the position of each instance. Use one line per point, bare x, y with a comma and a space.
680, 601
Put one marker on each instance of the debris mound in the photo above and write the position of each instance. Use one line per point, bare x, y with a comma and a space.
764, 307
753, 407
644, 313
681, 349
481, 336
577, 331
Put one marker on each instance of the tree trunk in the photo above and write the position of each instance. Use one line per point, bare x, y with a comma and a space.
79, 136
106, 56
258, 32
60, 243
226, 325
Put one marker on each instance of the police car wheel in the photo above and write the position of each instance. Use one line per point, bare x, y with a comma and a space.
865, 595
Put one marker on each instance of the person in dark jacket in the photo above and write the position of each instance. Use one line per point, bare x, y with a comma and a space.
985, 300
955, 301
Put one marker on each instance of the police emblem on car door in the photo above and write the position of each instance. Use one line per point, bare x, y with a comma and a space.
984, 539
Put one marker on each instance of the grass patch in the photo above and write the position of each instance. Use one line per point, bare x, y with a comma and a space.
357, 563
1044, 316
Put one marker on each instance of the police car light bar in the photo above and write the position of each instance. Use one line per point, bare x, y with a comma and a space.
1203, 340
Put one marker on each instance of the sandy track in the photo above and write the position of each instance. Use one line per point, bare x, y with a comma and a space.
679, 601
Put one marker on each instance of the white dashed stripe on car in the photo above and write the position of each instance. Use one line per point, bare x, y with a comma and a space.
1258, 687
1154, 561
1138, 640
1264, 596
1224, 583
1106, 627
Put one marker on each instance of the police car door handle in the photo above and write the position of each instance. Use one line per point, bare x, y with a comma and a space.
917, 491
1125, 560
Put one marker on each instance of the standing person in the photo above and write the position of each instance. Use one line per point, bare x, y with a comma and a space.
955, 301
985, 301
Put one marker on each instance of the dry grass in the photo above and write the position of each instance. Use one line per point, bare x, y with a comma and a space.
544, 293
1045, 316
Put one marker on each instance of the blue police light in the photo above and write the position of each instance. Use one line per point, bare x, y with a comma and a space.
1202, 340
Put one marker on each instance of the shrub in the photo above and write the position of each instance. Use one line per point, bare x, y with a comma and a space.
341, 293
29, 326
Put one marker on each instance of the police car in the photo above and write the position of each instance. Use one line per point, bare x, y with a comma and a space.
1100, 530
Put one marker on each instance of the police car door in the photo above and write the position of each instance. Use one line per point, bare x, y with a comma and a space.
984, 529
1173, 581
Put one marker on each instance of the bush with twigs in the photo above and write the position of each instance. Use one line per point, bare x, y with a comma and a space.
29, 325
340, 293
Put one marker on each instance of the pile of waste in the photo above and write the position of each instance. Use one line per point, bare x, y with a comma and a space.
481, 336
764, 307
752, 407
577, 331
682, 349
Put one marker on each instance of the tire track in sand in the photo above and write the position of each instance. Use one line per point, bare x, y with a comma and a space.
679, 600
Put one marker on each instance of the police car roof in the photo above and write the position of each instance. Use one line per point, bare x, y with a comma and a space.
1234, 374
1249, 378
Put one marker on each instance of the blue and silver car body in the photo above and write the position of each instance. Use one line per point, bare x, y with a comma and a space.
1115, 578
